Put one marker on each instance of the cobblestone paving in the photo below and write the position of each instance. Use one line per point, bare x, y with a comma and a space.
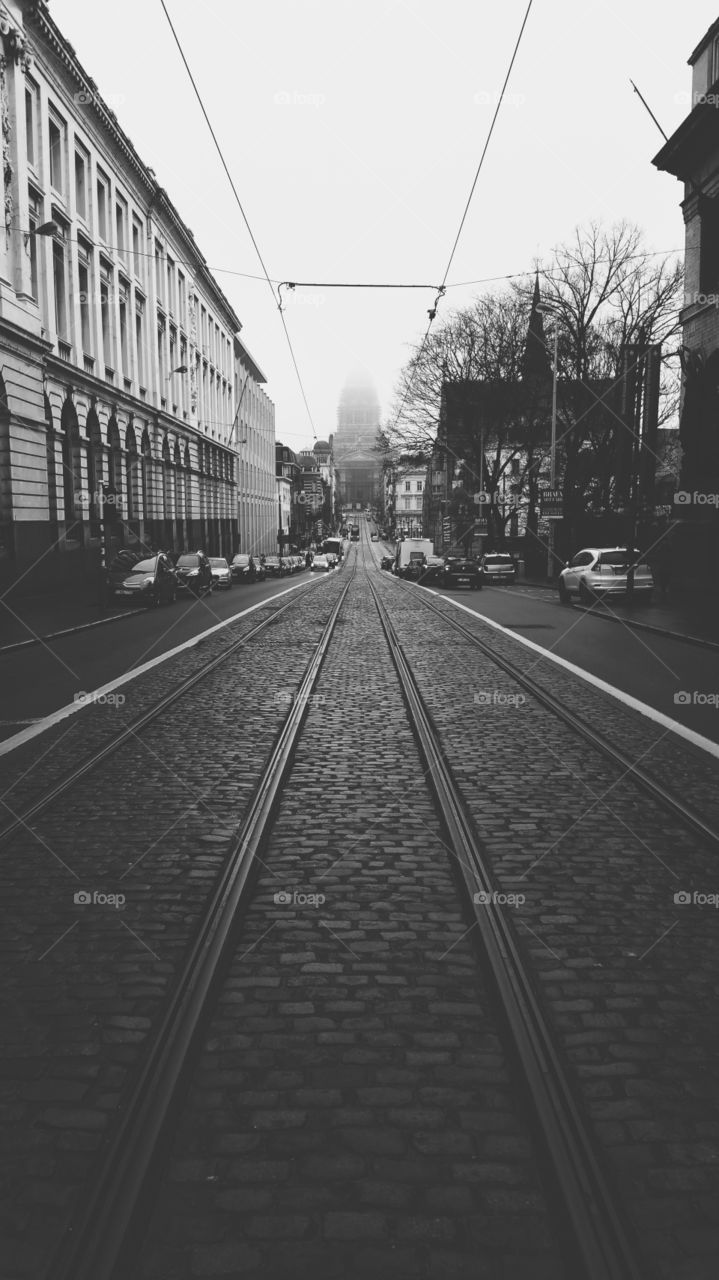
628, 973
82, 983
352, 1113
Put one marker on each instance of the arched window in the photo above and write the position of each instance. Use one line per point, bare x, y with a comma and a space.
145, 473
94, 472
132, 473
71, 469
166, 480
113, 440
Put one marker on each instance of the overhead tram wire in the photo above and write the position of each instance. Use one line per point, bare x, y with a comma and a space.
220, 153
433, 310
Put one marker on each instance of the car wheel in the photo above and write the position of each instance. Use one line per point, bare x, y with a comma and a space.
563, 593
585, 595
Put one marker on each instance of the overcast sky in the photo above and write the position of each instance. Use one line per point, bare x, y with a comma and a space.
353, 129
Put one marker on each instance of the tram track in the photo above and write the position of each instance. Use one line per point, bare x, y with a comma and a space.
103, 1243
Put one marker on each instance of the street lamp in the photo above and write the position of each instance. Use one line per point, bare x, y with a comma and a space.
45, 229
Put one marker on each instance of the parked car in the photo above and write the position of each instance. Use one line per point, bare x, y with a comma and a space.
274, 567
245, 568
462, 573
597, 572
498, 567
194, 573
386, 562
434, 570
332, 559
320, 564
373, 537
221, 572
151, 582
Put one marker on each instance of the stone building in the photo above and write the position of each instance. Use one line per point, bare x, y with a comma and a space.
254, 440
356, 458
692, 155
118, 372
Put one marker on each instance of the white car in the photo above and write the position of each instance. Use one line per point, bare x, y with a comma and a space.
320, 564
597, 572
221, 572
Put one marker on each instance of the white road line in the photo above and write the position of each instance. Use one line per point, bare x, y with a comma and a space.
696, 739
55, 717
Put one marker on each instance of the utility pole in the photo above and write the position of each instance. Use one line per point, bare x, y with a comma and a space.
553, 457
636, 454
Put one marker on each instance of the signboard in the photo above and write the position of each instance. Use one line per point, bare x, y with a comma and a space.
550, 504
447, 529
480, 527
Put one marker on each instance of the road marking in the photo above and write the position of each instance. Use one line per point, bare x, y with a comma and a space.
55, 717
696, 739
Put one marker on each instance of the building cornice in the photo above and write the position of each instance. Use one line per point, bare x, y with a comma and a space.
692, 142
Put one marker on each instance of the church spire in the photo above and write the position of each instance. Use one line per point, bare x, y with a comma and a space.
536, 362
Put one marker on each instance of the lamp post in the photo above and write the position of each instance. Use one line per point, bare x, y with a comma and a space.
553, 442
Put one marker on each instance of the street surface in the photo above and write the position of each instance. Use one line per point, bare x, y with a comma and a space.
353, 1104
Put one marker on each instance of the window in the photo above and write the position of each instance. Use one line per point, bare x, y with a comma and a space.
82, 169
123, 308
419, 486
714, 64
59, 280
182, 296
31, 114
137, 247
121, 227
84, 281
158, 270
35, 218
56, 133
170, 284
709, 244
106, 304
408, 485
161, 359
140, 343
103, 205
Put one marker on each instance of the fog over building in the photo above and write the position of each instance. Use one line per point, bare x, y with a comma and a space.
356, 458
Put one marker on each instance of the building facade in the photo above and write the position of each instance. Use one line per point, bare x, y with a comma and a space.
692, 155
406, 498
355, 443
117, 391
254, 440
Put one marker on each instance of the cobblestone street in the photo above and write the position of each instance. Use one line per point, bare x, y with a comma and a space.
351, 1105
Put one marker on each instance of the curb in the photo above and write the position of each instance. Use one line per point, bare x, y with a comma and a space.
68, 631
649, 626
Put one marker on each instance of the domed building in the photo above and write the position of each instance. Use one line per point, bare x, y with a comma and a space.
355, 442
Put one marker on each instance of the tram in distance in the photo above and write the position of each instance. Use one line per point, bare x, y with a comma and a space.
354, 533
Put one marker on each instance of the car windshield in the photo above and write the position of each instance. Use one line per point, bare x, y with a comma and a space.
188, 562
272, 560
503, 559
145, 566
218, 563
241, 560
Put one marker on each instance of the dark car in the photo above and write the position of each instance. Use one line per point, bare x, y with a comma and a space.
386, 562
194, 573
151, 581
245, 568
461, 573
274, 567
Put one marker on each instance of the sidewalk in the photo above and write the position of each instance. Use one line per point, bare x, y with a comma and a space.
26, 620
691, 618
